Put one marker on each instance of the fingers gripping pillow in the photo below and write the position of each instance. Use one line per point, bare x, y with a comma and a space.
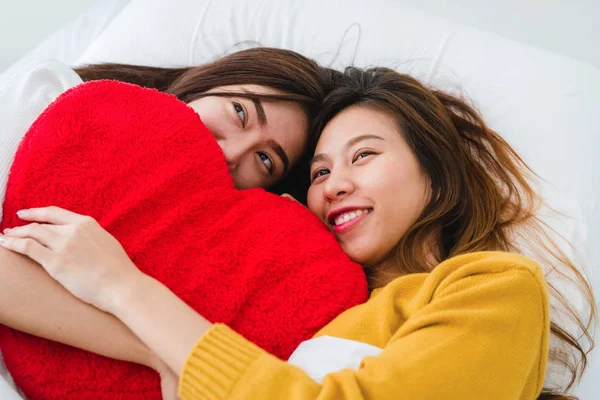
145, 167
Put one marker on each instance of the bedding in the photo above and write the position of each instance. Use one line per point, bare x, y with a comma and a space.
142, 163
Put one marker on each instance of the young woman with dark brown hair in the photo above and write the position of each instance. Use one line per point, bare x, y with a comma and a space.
431, 202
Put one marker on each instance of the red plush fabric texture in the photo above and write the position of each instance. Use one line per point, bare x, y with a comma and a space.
142, 163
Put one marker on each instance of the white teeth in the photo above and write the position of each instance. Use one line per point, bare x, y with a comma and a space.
349, 216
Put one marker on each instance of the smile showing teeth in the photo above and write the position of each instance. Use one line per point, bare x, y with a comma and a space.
349, 216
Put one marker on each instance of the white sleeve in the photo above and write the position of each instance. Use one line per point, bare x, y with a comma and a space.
23, 97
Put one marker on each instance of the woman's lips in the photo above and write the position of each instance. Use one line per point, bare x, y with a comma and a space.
346, 226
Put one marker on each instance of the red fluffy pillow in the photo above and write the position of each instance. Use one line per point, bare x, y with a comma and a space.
142, 163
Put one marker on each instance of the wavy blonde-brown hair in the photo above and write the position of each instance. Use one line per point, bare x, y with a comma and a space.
482, 199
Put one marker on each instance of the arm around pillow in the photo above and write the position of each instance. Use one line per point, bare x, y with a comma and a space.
32, 302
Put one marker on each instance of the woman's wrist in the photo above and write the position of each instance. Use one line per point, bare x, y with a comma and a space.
124, 290
164, 322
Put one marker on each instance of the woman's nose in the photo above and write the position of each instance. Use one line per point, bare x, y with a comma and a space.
234, 152
338, 185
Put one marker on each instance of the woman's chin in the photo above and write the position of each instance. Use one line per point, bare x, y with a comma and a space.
357, 255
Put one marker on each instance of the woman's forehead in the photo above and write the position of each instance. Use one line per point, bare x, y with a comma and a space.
356, 121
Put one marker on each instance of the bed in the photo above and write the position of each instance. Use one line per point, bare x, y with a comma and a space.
544, 104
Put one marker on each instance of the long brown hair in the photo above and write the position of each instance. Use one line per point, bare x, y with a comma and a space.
297, 78
482, 198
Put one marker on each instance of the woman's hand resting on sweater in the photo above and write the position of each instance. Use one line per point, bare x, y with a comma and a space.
77, 252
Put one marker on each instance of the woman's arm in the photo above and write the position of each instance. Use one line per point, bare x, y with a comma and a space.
32, 302
483, 334
142, 302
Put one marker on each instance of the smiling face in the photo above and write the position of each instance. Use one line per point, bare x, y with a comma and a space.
367, 185
261, 140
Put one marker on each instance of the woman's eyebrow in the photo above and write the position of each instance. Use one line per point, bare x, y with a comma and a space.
360, 138
350, 143
262, 120
317, 158
281, 153
260, 111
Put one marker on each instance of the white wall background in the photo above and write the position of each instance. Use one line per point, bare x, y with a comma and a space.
569, 27
24, 24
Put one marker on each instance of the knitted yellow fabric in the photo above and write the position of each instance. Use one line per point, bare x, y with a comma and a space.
476, 327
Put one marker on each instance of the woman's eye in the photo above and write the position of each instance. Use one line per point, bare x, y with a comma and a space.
241, 112
362, 154
318, 173
266, 160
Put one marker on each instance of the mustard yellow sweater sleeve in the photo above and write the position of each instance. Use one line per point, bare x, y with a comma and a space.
475, 328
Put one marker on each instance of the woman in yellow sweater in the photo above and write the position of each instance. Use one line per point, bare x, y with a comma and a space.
422, 193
